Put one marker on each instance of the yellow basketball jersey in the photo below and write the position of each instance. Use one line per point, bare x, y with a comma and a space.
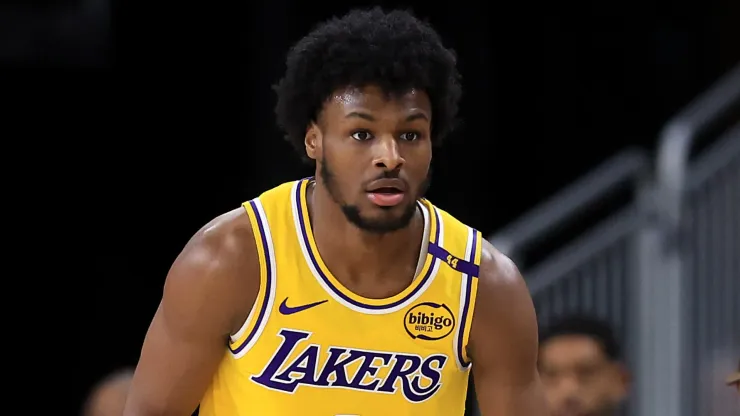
312, 347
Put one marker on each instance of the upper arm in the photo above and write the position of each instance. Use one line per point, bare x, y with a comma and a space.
503, 341
207, 296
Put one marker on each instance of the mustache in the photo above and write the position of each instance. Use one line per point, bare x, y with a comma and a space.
389, 174
396, 174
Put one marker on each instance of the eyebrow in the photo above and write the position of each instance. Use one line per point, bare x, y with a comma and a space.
368, 117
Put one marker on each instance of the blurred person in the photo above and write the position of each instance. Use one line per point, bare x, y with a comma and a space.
734, 379
581, 369
714, 398
108, 397
347, 292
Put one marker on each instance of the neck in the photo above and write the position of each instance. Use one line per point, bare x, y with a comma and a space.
355, 254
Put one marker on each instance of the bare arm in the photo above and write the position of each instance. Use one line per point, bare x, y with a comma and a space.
207, 296
503, 341
109, 395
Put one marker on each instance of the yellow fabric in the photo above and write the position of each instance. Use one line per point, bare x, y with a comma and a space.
312, 347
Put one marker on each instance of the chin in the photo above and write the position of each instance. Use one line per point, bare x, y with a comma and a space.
386, 224
380, 224
377, 219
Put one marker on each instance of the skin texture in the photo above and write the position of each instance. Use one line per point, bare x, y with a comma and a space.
361, 135
361, 151
207, 296
109, 396
579, 379
503, 341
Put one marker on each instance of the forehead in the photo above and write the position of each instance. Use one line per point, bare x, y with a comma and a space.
374, 99
567, 348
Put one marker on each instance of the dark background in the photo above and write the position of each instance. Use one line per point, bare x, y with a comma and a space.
168, 113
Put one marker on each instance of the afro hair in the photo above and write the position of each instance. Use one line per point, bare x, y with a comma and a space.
392, 50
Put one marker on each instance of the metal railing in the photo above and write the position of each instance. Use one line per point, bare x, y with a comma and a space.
712, 242
592, 273
628, 167
691, 286
664, 270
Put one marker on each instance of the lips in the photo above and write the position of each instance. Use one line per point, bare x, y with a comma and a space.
386, 192
387, 186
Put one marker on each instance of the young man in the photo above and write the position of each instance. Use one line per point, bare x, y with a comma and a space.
347, 293
581, 368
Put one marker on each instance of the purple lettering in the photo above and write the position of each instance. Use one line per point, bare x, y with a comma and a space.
337, 366
267, 378
401, 371
368, 368
405, 373
305, 365
432, 373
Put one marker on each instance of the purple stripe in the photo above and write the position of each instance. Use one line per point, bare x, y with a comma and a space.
268, 288
466, 306
312, 256
463, 266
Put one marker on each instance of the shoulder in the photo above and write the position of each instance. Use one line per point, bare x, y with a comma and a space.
224, 242
501, 287
215, 271
498, 272
503, 342
504, 312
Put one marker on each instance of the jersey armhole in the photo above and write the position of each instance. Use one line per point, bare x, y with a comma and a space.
243, 340
468, 293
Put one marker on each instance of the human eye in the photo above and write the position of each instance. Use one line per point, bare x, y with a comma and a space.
410, 136
362, 135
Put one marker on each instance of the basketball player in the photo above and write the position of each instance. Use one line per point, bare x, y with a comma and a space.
347, 293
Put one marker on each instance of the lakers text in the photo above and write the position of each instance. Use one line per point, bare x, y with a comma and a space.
418, 378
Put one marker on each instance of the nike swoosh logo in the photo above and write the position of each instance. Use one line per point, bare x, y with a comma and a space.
287, 310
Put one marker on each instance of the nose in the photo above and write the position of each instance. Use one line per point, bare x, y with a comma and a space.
569, 387
387, 154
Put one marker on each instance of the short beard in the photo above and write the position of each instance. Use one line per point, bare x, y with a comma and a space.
352, 212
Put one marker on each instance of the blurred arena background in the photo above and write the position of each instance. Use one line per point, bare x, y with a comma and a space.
604, 139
